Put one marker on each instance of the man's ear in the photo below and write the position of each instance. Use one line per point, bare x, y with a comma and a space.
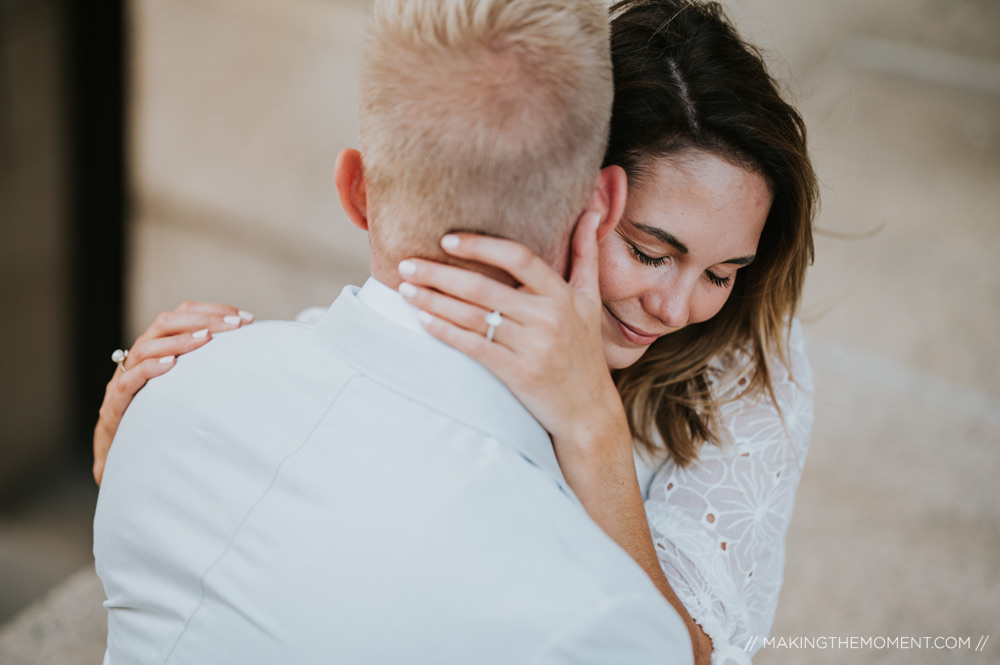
608, 198
349, 177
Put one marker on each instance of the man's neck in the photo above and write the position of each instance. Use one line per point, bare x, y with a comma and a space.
386, 271
388, 276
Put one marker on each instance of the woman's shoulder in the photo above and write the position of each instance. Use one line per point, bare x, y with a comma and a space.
754, 417
732, 370
750, 420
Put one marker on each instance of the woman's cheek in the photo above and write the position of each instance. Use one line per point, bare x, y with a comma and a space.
709, 305
615, 276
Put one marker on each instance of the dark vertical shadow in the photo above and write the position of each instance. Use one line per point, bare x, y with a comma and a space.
6, 95
97, 80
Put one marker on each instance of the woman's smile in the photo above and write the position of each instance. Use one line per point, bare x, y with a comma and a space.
631, 333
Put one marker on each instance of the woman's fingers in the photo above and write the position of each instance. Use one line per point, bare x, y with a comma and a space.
160, 347
465, 315
467, 285
215, 309
512, 257
584, 267
494, 356
179, 322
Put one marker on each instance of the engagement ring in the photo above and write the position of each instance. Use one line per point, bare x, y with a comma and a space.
493, 320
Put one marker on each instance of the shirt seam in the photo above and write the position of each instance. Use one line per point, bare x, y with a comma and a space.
250, 511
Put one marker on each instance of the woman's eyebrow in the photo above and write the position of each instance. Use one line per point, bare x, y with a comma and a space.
661, 235
668, 238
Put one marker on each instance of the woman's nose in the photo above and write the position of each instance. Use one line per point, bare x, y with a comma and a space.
672, 305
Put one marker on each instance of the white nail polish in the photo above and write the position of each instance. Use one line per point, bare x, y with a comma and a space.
407, 290
407, 268
232, 320
449, 241
246, 316
201, 334
425, 318
166, 360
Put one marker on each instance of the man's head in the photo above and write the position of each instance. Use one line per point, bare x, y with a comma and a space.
478, 115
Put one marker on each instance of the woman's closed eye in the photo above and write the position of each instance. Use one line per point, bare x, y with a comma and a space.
646, 259
721, 282
657, 261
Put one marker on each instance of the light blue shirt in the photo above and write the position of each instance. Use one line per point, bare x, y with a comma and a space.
354, 491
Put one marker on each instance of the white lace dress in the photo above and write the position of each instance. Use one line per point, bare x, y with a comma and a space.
719, 525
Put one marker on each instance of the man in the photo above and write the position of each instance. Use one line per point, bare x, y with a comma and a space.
354, 491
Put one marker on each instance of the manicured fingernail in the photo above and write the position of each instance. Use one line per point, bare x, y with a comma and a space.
246, 316
450, 241
166, 360
425, 318
201, 334
232, 320
407, 268
595, 220
407, 290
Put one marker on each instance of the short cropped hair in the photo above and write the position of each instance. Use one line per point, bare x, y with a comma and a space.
483, 115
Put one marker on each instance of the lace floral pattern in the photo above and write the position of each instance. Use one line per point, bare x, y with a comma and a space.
719, 525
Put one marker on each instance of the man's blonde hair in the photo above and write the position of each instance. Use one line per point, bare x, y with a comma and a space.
483, 115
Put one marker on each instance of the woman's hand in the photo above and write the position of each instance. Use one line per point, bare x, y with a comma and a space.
172, 334
548, 349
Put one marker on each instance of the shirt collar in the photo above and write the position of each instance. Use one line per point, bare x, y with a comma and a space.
429, 371
389, 303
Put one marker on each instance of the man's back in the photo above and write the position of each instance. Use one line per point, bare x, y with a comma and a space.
355, 492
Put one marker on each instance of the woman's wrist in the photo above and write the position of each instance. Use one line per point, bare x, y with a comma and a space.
599, 433
596, 456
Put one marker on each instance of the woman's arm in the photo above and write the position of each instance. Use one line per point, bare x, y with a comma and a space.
172, 334
609, 491
548, 351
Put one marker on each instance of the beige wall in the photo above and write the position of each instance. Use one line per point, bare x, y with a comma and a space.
239, 109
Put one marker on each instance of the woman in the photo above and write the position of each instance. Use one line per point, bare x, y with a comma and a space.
689, 303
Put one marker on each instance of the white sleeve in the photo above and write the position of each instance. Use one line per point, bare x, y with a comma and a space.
719, 525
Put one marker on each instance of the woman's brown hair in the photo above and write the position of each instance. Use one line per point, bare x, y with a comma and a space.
685, 80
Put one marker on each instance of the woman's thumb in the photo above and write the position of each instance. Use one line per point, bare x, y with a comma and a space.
583, 272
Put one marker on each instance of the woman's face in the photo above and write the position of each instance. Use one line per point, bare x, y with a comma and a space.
688, 227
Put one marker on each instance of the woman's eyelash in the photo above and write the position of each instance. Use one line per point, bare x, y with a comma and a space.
645, 258
721, 282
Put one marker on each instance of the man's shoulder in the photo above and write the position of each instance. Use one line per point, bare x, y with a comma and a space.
252, 357
250, 387
274, 341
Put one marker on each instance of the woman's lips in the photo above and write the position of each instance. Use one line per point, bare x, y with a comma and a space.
631, 334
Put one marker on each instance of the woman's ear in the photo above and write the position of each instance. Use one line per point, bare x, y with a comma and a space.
349, 176
608, 197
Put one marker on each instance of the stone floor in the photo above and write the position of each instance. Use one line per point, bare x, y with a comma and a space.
45, 536
68, 625
897, 526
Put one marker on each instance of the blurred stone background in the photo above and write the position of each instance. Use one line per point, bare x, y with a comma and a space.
236, 111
